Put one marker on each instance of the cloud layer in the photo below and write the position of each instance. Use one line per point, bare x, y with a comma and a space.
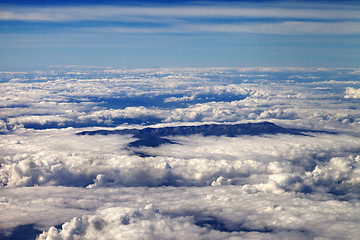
200, 213
280, 18
269, 186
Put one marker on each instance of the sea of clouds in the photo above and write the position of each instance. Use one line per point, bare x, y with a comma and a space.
56, 184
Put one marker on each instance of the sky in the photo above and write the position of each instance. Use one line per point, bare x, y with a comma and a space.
135, 34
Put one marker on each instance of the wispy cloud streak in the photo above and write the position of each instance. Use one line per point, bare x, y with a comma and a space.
111, 12
189, 19
286, 27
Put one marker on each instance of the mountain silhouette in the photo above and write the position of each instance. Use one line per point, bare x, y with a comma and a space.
154, 137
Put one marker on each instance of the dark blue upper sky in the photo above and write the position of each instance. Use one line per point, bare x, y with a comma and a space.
179, 33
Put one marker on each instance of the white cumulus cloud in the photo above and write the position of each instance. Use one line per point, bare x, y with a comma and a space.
273, 186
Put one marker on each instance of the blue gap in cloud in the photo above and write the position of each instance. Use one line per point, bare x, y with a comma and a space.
159, 101
21, 232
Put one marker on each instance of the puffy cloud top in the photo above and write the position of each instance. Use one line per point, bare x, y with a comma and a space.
215, 185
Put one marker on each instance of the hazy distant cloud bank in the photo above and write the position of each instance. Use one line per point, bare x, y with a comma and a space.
111, 97
268, 186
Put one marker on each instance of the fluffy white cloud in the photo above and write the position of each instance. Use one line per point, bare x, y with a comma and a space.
59, 157
68, 99
215, 187
352, 93
200, 213
127, 223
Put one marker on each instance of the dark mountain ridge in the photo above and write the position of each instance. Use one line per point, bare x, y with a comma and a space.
153, 137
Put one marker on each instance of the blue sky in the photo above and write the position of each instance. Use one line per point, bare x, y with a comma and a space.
180, 33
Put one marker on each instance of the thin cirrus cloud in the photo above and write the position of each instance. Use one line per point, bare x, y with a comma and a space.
69, 13
192, 19
286, 27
